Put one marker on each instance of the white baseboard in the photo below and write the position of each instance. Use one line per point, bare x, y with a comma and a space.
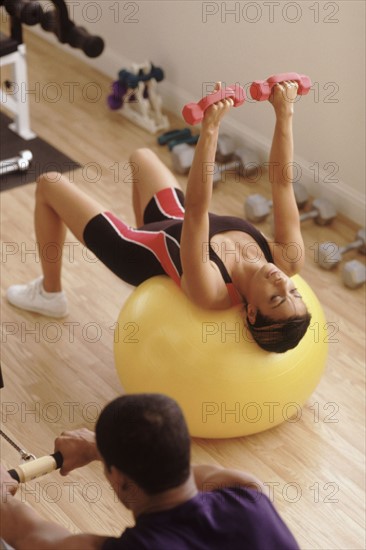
347, 201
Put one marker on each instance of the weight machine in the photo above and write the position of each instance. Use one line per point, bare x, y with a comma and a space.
13, 52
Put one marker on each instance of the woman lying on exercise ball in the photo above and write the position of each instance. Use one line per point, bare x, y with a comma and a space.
218, 261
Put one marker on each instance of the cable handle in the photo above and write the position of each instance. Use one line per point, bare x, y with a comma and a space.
37, 468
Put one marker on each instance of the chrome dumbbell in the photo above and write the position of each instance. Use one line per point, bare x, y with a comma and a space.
15, 164
257, 207
353, 272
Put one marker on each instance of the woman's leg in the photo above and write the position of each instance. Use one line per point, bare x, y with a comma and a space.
150, 175
59, 204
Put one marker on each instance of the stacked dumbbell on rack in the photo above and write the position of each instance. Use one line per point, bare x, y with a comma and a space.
135, 95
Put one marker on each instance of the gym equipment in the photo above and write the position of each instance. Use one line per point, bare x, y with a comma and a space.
260, 90
330, 254
354, 274
28, 12
225, 383
257, 207
225, 148
79, 37
301, 194
135, 96
235, 165
322, 212
24, 455
37, 467
193, 112
182, 133
13, 51
131, 80
15, 164
192, 140
115, 99
57, 21
34, 467
182, 157
177, 137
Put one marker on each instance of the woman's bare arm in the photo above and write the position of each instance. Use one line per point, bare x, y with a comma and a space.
288, 249
201, 280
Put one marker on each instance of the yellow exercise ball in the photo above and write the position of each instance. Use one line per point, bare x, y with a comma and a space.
207, 361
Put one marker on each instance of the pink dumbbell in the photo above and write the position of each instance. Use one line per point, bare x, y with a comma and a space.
193, 112
260, 90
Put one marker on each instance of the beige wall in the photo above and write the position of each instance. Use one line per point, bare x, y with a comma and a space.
198, 42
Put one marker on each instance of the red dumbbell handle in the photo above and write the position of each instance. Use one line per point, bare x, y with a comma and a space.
256, 87
193, 112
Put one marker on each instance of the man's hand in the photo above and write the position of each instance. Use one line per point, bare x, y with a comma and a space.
8, 485
78, 448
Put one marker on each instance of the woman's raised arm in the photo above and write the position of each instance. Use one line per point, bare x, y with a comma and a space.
288, 248
201, 280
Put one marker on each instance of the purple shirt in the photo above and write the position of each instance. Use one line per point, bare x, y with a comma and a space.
226, 519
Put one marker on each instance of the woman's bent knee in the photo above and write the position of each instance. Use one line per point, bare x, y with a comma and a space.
141, 154
49, 177
49, 181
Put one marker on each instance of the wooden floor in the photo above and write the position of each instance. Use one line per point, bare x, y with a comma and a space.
59, 374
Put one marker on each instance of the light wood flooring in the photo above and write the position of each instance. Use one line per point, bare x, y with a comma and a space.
59, 374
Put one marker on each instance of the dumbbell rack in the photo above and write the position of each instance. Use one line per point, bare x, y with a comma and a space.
13, 52
144, 112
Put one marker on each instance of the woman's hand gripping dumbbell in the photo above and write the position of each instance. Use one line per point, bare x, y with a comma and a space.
260, 90
193, 113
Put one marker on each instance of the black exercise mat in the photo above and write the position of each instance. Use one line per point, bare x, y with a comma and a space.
45, 157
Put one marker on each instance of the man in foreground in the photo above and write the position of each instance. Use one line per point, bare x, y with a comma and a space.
144, 445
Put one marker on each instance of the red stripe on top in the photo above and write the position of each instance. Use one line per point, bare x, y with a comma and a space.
154, 241
168, 203
233, 294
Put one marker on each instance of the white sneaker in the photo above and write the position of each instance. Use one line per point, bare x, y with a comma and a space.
33, 297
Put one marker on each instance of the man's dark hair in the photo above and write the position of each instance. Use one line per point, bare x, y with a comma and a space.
145, 436
278, 335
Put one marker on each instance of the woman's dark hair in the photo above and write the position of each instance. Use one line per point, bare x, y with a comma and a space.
145, 436
278, 335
